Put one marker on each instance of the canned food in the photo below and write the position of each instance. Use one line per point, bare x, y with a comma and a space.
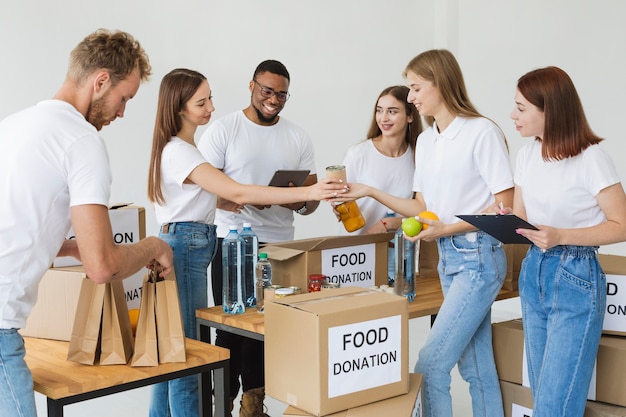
283, 292
315, 282
296, 290
269, 293
329, 285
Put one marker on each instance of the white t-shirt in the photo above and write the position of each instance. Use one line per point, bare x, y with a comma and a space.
562, 193
51, 159
366, 165
183, 202
460, 169
250, 154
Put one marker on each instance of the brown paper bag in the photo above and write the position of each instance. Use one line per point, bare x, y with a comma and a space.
170, 331
85, 341
146, 353
117, 336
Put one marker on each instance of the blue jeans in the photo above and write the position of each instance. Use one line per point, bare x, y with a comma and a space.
194, 246
563, 295
472, 268
17, 397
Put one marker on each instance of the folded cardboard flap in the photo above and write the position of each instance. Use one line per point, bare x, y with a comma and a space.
330, 242
613, 264
279, 253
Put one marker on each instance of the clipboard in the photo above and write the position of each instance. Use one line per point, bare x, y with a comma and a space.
283, 177
500, 226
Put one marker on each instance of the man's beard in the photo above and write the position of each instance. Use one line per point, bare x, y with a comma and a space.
263, 118
96, 112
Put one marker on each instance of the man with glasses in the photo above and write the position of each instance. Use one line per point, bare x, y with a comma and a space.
249, 146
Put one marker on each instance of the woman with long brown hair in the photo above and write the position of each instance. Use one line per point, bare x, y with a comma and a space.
183, 188
567, 186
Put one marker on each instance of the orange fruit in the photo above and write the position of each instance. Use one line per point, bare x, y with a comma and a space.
133, 314
427, 215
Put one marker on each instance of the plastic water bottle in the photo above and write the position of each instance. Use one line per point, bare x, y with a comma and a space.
250, 254
263, 279
233, 300
405, 266
391, 259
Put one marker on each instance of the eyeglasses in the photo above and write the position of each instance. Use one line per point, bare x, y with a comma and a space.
269, 92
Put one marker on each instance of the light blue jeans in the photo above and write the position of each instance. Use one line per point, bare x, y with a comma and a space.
563, 295
17, 398
472, 268
194, 246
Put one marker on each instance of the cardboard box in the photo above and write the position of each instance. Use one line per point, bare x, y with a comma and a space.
128, 224
349, 260
508, 350
615, 316
609, 380
334, 350
52, 316
517, 401
407, 405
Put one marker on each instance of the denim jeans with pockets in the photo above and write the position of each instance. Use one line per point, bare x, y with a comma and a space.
472, 268
194, 246
563, 294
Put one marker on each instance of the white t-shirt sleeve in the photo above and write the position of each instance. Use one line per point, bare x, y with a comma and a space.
180, 159
492, 160
213, 144
601, 166
88, 172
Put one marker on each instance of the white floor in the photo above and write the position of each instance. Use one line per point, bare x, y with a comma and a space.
135, 403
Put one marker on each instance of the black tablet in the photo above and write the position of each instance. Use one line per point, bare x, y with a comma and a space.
500, 226
283, 177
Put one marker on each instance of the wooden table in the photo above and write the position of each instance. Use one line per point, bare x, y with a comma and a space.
428, 299
64, 382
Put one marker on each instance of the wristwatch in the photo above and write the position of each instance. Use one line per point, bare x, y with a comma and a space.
302, 209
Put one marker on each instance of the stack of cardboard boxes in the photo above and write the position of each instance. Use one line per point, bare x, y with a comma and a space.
342, 353
607, 393
53, 315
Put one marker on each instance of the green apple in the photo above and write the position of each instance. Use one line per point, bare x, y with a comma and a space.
411, 226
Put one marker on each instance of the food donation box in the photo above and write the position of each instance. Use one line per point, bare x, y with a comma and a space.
336, 349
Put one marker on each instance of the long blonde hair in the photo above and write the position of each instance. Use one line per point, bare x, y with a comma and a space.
440, 67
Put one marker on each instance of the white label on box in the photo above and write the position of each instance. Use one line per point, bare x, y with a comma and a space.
615, 315
364, 355
132, 288
351, 266
520, 411
125, 226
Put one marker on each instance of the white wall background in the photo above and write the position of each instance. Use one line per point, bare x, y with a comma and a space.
340, 54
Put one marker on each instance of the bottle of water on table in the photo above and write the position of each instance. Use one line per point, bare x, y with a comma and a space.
263, 280
250, 254
405, 266
233, 300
